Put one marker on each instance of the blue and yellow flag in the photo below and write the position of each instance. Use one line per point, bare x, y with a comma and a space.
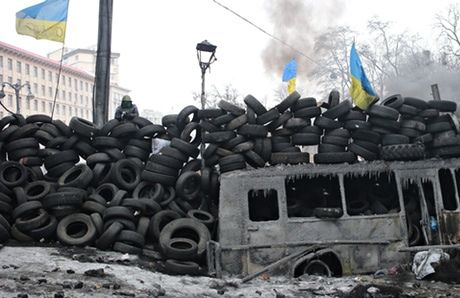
290, 74
46, 20
361, 90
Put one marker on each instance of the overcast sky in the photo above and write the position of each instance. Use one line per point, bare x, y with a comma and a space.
156, 41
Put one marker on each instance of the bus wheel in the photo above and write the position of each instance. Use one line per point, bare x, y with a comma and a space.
317, 267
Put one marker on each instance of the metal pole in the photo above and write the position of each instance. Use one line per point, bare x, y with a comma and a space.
102, 80
203, 103
16, 91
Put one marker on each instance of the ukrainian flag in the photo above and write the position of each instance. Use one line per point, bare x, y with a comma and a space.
290, 74
361, 90
46, 20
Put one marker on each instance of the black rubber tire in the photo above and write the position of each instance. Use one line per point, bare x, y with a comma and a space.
188, 185
416, 102
153, 177
336, 157
57, 199
353, 115
339, 132
125, 174
159, 168
322, 212
182, 118
338, 110
231, 108
79, 176
125, 129
446, 152
254, 104
289, 158
185, 147
20, 144
288, 102
394, 139
368, 145
182, 267
32, 221
186, 133
366, 135
339, 141
296, 123
408, 110
443, 105
118, 198
109, 236
222, 120
218, 136
210, 113
363, 152
85, 239
305, 139
107, 142
61, 157
181, 249
237, 122
269, 116
46, 231
391, 125
383, 112
302, 103
82, 127
253, 131
159, 220
12, 174
166, 161
327, 148
143, 227
118, 212
132, 238
93, 207
439, 127
254, 159
202, 216
25, 131
357, 124
402, 152
393, 101
327, 123
187, 224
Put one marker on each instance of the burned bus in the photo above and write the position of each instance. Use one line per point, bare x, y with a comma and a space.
357, 218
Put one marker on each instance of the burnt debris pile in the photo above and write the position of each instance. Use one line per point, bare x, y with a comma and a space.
103, 186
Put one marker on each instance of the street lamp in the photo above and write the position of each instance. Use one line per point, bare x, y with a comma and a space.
205, 52
17, 87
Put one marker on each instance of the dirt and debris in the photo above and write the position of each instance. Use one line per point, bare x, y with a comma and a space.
58, 272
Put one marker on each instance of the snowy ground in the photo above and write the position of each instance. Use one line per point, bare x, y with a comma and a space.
74, 272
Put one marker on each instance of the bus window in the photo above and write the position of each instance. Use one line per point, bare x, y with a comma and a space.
447, 189
369, 195
412, 205
306, 193
263, 204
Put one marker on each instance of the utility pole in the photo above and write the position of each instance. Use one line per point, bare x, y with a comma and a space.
102, 81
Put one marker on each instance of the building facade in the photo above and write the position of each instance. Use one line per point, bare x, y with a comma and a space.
74, 93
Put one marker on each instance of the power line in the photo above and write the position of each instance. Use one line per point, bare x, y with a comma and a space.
267, 33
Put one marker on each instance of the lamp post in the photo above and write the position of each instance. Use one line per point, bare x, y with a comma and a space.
16, 87
205, 52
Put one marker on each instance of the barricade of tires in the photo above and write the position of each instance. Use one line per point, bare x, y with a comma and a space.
81, 185
84, 185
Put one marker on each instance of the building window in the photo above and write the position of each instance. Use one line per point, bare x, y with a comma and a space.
10, 80
10, 100
43, 74
81, 99
63, 95
70, 96
64, 110
27, 69
18, 67
76, 84
43, 90
86, 86
57, 76
50, 76
50, 106
70, 82
28, 104
1, 61
19, 82
36, 88
87, 101
10, 64
81, 85
43, 106
63, 80
50, 92
35, 105
35, 71
76, 57
1, 78
75, 98
58, 109
70, 110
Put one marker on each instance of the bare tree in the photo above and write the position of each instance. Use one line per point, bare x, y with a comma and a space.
228, 93
332, 70
449, 36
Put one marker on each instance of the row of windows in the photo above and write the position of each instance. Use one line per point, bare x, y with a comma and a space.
39, 106
51, 92
78, 85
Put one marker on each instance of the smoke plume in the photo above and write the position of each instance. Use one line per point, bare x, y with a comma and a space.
298, 23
